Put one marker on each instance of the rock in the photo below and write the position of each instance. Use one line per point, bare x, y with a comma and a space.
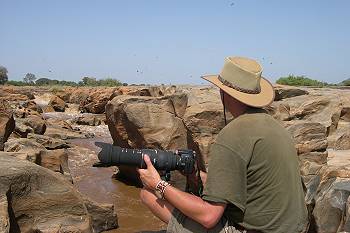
284, 92
6, 96
280, 111
31, 105
31, 148
76, 95
88, 119
339, 139
7, 123
60, 129
27, 108
146, 122
64, 134
315, 156
4, 215
56, 160
48, 108
314, 108
345, 114
203, 119
31, 124
49, 143
57, 103
97, 101
331, 201
309, 136
39, 200
56, 123
343, 142
103, 215
21, 129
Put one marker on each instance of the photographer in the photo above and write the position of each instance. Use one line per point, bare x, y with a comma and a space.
253, 182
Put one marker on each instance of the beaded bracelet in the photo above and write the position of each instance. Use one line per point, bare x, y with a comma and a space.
160, 188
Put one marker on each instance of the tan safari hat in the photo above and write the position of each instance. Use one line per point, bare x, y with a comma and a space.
241, 78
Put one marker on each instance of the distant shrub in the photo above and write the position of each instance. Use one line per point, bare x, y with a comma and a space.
107, 82
346, 82
16, 83
292, 80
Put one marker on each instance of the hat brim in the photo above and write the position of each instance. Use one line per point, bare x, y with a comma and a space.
262, 99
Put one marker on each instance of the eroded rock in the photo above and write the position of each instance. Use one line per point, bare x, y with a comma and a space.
57, 104
41, 201
7, 123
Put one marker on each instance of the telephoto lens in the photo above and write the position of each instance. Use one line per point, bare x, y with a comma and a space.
183, 160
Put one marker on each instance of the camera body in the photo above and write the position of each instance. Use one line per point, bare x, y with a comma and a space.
182, 160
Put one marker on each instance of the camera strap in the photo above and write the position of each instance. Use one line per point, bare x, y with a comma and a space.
223, 103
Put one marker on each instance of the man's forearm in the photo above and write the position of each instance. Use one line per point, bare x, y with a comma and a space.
207, 214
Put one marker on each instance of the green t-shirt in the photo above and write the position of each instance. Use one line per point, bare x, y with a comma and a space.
253, 167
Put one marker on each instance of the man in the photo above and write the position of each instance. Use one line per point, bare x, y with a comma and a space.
253, 182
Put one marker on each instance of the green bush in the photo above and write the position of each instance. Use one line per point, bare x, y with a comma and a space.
345, 82
107, 82
292, 80
16, 83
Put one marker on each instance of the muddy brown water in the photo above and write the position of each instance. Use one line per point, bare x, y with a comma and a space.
100, 185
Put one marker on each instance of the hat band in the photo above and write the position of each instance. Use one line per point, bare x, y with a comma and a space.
257, 90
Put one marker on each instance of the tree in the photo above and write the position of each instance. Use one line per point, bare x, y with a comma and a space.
346, 82
89, 81
42, 81
3, 75
29, 78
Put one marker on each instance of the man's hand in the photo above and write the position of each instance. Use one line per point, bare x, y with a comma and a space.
149, 176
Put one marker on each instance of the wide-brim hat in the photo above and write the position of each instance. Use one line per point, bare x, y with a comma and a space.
242, 79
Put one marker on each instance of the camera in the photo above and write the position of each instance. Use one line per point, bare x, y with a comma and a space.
182, 160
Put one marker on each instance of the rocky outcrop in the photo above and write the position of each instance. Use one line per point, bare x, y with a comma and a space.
57, 104
35, 199
309, 136
284, 92
203, 119
60, 129
31, 124
89, 119
48, 142
147, 122
7, 123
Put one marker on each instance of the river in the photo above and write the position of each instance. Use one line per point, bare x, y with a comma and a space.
99, 183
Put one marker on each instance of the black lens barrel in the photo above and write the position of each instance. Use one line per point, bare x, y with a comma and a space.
115, 156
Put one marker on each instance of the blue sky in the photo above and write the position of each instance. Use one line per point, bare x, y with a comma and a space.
173, 42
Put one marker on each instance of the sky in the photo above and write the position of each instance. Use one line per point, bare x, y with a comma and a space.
173, 42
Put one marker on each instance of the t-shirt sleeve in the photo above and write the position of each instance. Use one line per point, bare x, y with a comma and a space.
227, 177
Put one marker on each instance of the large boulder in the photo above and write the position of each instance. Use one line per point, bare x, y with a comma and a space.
331, 201
204, 119
39, 200
57, 104
7, 123
147, 122
309, 136
31, 124
97, 100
